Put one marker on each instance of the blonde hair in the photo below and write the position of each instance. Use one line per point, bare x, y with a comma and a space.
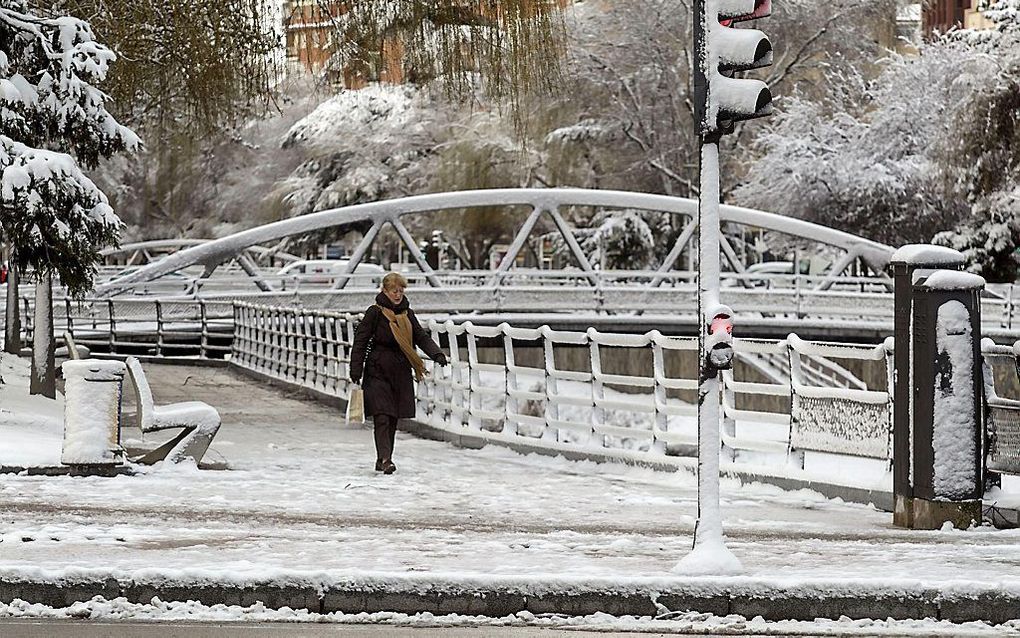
394, 280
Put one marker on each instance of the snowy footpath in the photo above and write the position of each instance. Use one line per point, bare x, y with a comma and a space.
302, 513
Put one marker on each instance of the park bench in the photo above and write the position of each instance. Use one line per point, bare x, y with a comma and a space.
198, 421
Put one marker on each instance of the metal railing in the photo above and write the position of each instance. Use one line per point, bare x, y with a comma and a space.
1002, 421
196, 328
496, 388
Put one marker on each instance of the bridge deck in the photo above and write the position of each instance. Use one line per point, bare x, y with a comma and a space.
303, 499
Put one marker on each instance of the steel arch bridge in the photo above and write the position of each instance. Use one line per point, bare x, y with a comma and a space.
147, 252
531, 205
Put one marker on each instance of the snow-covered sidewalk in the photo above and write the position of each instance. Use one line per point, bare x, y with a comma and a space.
303, 502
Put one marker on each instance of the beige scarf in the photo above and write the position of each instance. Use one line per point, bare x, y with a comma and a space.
404, 334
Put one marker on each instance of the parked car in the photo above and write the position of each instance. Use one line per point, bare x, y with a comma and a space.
326, 271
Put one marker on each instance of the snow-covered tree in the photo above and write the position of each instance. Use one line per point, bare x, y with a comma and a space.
1005, 12
53, 117
931, 145
515, 45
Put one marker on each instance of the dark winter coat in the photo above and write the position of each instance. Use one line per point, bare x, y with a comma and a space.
385, 374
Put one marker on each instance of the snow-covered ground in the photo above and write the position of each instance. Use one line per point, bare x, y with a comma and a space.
303, 499
31, 427
302, 502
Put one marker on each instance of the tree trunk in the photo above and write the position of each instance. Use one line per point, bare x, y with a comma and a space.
12, 323
44, 377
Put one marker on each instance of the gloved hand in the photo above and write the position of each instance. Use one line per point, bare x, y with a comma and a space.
441, 359
356, 381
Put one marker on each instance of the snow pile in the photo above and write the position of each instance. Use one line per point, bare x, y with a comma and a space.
709, 557
954, 436
31, 427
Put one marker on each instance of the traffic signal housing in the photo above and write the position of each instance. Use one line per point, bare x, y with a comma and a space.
719, 340
720, 51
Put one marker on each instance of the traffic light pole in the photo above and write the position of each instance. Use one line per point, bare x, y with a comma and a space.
710, 554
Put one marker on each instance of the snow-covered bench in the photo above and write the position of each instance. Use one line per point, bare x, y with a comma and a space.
198, 421
72, 350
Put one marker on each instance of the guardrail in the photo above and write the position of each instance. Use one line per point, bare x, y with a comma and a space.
496, 388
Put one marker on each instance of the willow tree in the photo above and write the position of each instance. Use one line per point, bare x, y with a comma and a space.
513, 47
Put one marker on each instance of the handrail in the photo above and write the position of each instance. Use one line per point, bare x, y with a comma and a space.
593, 406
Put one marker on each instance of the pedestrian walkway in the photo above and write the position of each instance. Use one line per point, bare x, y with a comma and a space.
303, 504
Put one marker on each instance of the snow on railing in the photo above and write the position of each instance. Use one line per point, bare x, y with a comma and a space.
511, 384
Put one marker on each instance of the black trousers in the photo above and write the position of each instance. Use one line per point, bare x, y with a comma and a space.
385, 434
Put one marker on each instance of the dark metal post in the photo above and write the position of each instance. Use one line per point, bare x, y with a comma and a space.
908, 260
947, 385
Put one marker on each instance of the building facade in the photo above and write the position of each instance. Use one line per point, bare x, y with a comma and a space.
942, 15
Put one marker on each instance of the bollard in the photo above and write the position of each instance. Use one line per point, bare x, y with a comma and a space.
908, 263
92, 393
947, 388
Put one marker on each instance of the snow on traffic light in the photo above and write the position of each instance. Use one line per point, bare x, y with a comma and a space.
720, 51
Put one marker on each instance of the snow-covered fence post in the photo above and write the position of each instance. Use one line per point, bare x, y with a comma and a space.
660, 422
947, 383
905, 262
203, 315
1009, 308
159, 328
511, 383
112, 344
552, 406
598, 393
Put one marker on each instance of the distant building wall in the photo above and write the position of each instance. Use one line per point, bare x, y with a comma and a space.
943, 15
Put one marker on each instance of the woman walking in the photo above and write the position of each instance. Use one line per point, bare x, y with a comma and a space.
383, 357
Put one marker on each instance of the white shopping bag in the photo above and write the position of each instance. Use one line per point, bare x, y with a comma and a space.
356, 406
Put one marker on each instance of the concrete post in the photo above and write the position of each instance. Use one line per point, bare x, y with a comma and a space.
907, 263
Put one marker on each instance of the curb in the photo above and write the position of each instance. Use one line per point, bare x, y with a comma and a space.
803, 602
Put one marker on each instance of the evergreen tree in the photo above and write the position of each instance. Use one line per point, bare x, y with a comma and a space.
52, 117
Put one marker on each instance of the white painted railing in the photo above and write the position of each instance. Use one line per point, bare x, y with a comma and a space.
498, 386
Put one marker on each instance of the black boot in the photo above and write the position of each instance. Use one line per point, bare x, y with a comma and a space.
388, 467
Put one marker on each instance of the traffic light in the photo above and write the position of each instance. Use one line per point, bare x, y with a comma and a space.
719, 340
719, 51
